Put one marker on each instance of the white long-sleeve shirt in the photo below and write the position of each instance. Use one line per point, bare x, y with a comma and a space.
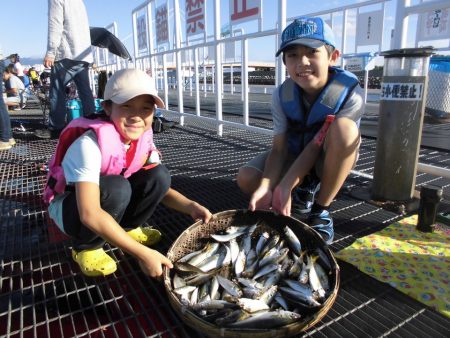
68, 31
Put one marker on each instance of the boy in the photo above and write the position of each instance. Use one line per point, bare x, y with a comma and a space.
300, 155
105, 179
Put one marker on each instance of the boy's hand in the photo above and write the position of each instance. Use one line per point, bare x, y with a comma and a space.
261, 199
281, 200
151, 263
200, 212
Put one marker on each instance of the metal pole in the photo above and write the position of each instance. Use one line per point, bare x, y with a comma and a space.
178, 57
402, 105
401, 24
281, 72
218, 72
244, 82
197, 85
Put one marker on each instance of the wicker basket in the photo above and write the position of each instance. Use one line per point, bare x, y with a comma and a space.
195, 237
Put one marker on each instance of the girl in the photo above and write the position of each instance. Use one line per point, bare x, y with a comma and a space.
106, 178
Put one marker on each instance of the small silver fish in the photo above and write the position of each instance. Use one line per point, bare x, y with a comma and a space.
213, 305
281, 301
268, 295
230, 318
209, 250
232, 232
314, 280
277, 257
178, 282
261, 242
184, 290
252, 305
265, 270
271, 242
267, 320
214, 289
295, 296
231, 287
293, 241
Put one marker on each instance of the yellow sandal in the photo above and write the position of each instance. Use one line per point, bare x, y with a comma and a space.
145, 235
94, 263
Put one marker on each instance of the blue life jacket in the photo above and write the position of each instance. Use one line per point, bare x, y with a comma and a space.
301, 126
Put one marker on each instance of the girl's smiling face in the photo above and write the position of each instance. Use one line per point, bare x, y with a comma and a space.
133, 117
308, 67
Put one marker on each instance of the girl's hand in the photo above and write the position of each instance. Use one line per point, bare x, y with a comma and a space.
152, 261
200, 212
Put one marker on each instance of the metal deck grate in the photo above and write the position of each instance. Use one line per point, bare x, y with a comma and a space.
43, 294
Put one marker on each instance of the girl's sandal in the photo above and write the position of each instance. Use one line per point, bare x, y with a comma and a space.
94, 262
145, 235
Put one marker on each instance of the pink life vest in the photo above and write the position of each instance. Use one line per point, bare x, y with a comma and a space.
111, 147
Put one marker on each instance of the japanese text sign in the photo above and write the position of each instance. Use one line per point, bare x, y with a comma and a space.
162, 24
401, 91
244, 10
195, 17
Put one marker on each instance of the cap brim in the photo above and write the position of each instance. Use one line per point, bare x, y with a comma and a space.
311, 43
128, 95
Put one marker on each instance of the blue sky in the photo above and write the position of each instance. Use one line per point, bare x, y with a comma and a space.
27, 35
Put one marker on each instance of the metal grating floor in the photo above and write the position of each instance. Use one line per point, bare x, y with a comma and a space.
43, 294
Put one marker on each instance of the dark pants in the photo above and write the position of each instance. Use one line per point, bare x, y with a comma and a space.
131, 202
5, 123
62, 73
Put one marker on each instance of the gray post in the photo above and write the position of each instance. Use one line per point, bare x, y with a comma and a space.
402, 105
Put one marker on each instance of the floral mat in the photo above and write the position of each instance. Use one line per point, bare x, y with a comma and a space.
414, 262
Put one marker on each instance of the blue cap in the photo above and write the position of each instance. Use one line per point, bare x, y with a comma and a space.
310, 32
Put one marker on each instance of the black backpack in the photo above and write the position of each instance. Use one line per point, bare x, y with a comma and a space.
161, 124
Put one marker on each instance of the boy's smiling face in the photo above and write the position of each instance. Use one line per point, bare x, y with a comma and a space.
133, 117
308, 67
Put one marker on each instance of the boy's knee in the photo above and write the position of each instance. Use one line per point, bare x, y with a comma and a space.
343, 135
246, 180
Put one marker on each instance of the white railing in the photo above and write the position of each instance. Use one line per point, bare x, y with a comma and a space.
156, 60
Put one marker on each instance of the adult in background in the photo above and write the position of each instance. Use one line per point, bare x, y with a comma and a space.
6, 140
14, 88
18, 68
69, 56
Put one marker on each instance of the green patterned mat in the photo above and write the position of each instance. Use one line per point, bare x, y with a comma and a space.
416, 263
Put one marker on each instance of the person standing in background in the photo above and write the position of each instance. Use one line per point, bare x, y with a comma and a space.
18, 68
6, 139
69, 56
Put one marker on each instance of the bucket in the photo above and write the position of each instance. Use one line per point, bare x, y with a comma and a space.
98, 105
74, 108
438, 98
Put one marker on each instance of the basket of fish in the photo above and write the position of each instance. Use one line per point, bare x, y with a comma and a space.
251, 274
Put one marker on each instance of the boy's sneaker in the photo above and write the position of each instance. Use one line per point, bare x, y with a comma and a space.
323, 224
304, 194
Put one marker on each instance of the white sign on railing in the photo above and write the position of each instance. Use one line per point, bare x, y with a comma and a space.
244, 10
368, 31
195, 17
434, 25
162, 24
141, 28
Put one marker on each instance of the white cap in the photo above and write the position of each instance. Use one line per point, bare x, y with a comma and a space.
126, 84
